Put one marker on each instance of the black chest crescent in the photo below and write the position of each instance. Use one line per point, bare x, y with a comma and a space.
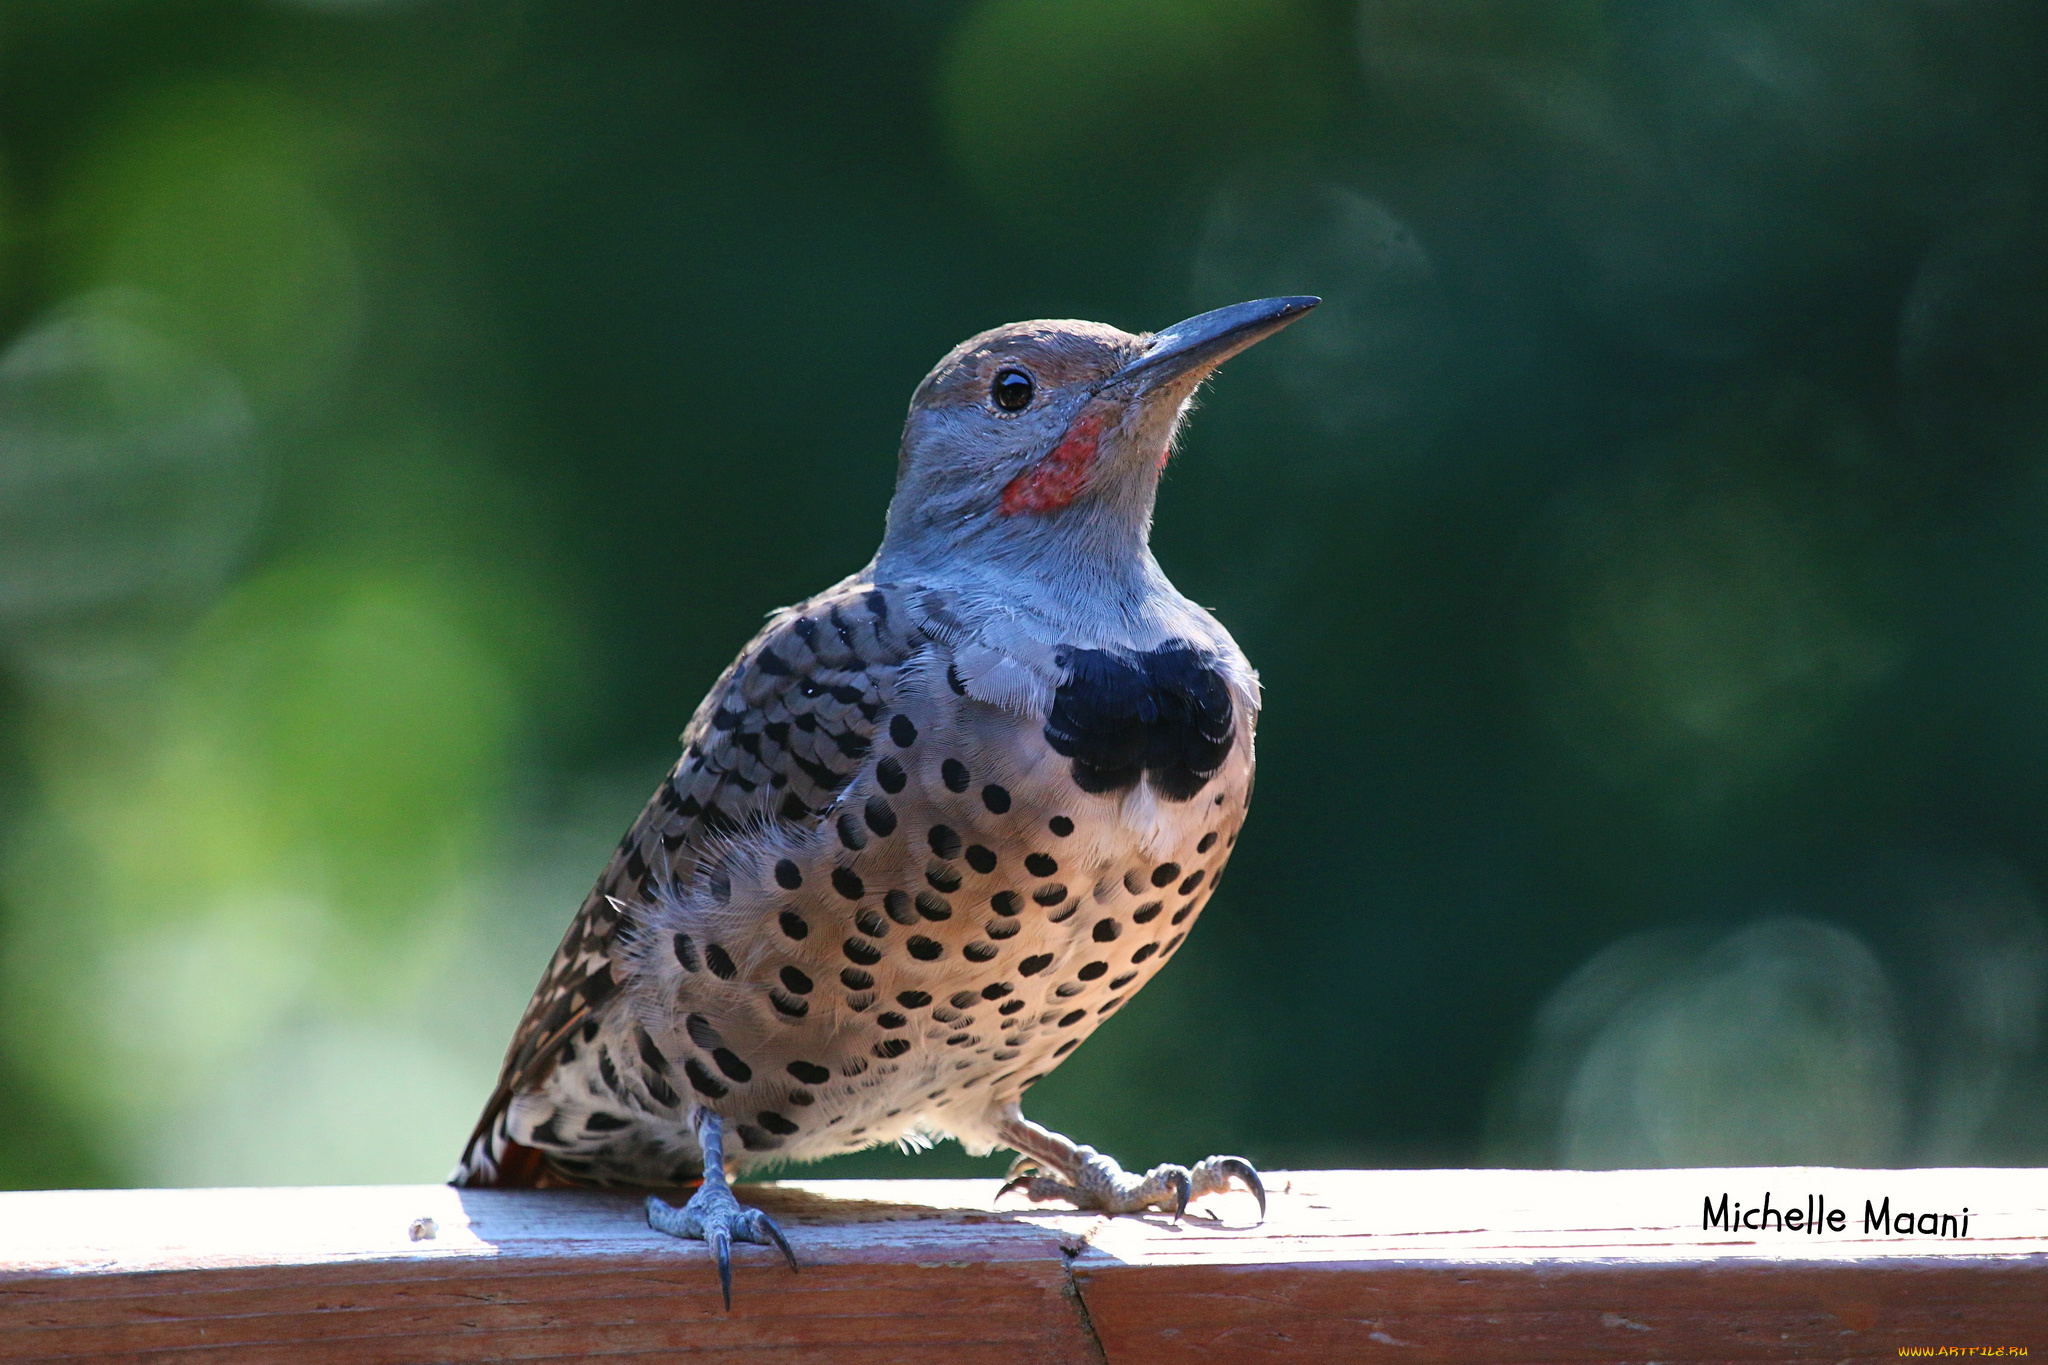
1164, 716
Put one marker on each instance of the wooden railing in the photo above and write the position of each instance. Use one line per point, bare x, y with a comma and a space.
1349, 1266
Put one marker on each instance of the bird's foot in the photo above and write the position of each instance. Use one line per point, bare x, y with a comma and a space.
715, 1217
1097, 1182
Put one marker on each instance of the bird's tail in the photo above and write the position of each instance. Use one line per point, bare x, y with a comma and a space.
491, 1159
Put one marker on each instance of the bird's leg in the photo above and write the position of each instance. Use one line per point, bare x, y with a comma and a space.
713, 1215
1087, 1179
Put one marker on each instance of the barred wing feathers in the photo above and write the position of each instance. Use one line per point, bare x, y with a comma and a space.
779, 736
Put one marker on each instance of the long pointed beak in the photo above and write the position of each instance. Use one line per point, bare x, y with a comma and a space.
1208, 339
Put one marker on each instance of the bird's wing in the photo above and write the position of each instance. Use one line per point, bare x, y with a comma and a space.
778, 737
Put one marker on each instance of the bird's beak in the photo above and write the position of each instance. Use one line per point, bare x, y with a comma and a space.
1205, 341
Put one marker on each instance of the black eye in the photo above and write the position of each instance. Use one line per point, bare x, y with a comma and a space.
1012, 390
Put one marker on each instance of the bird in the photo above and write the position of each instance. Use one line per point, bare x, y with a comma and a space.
928, 831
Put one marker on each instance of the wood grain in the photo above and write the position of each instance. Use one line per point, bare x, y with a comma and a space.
1399, 1265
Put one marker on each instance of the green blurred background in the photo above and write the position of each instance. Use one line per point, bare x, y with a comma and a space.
408, 406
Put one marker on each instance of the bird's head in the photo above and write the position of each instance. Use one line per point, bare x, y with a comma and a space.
1047, 438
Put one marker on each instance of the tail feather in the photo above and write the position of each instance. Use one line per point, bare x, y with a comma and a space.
491, 1157
492, 1160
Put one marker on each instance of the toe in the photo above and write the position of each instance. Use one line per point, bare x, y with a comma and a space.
1101, 1186
1043, 1189
1215, 1175
663, 1216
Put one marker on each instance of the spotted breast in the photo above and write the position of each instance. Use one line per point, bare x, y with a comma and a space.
868, 903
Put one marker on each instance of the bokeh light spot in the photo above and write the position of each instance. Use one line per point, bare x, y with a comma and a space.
221, 200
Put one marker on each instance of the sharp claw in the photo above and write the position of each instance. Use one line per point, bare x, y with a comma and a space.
1243, 1170
1020, 1165
1182, 1187
764, 1223
721, 1246
1018, 1183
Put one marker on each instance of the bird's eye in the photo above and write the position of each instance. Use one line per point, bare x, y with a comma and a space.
1012, 390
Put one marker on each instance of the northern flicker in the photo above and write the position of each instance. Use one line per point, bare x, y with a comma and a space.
928, 831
